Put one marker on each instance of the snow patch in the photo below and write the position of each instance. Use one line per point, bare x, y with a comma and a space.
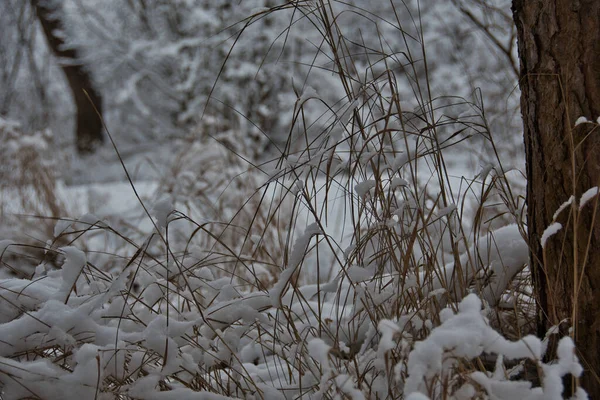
587, 196
552, 229
71, 269
363, 188
562, 207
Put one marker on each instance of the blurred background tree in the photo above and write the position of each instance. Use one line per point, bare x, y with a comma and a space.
167, 71
87, 99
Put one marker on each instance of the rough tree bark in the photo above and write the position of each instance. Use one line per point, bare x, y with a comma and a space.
559, 51
89, 125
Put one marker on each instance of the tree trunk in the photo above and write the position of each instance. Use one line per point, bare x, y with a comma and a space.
89, 125
559, 51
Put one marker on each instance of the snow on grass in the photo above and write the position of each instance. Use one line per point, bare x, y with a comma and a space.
187, 314
71, 270
467, 335
240, 335
364, 187
587, 196
550, 231
563, 206
501, 254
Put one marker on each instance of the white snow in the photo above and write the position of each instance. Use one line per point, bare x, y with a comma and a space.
446, 210
551, 230
562, 207
398, 182
587, 196
319, 351
363, 188
467, 334
346, 385
4, 245
161, 210
307, 94
503, 253
485, 170
358, 274
71, 269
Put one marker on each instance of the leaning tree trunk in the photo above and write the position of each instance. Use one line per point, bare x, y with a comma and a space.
89, 125
559, 50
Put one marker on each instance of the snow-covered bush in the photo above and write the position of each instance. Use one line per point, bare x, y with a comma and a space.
73, 332
222, 211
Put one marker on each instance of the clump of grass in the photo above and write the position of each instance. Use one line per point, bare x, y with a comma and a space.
29, 202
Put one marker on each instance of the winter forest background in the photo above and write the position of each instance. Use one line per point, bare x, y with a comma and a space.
299, 199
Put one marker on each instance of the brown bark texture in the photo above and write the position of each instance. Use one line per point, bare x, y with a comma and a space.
89, 124
559, 51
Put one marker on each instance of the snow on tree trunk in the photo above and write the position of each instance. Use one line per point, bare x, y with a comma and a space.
559, 50
89, 125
